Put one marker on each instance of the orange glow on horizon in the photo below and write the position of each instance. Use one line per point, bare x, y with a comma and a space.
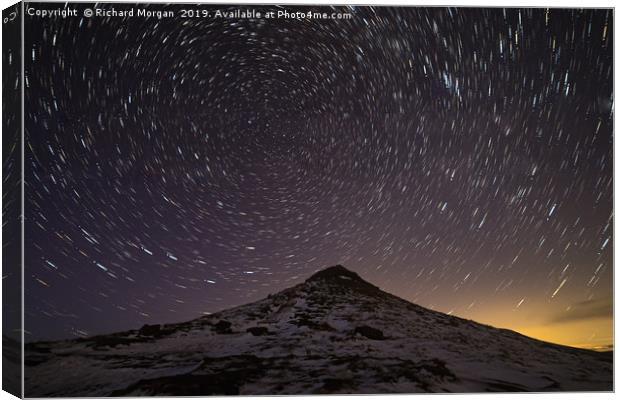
542, 322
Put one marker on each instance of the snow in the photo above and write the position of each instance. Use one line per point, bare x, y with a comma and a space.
311, 346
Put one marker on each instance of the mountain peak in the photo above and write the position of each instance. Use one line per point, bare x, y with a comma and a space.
335, 272
340, 277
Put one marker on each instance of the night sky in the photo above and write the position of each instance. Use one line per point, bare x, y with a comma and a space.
458, 158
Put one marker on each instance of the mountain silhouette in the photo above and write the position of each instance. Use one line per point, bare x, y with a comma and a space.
333, 333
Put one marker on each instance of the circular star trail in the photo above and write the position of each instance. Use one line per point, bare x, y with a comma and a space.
458, 158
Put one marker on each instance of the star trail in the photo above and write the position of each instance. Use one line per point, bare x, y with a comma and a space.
459, 158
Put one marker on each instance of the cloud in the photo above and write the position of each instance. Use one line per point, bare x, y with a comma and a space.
586, 310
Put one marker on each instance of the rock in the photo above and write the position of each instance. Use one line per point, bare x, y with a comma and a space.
223, 327
258, 330
334, 385
369, 332
149, 330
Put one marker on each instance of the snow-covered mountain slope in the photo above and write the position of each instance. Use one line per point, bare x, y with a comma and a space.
334, 333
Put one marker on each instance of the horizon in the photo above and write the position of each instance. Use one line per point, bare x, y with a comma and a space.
599, 348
